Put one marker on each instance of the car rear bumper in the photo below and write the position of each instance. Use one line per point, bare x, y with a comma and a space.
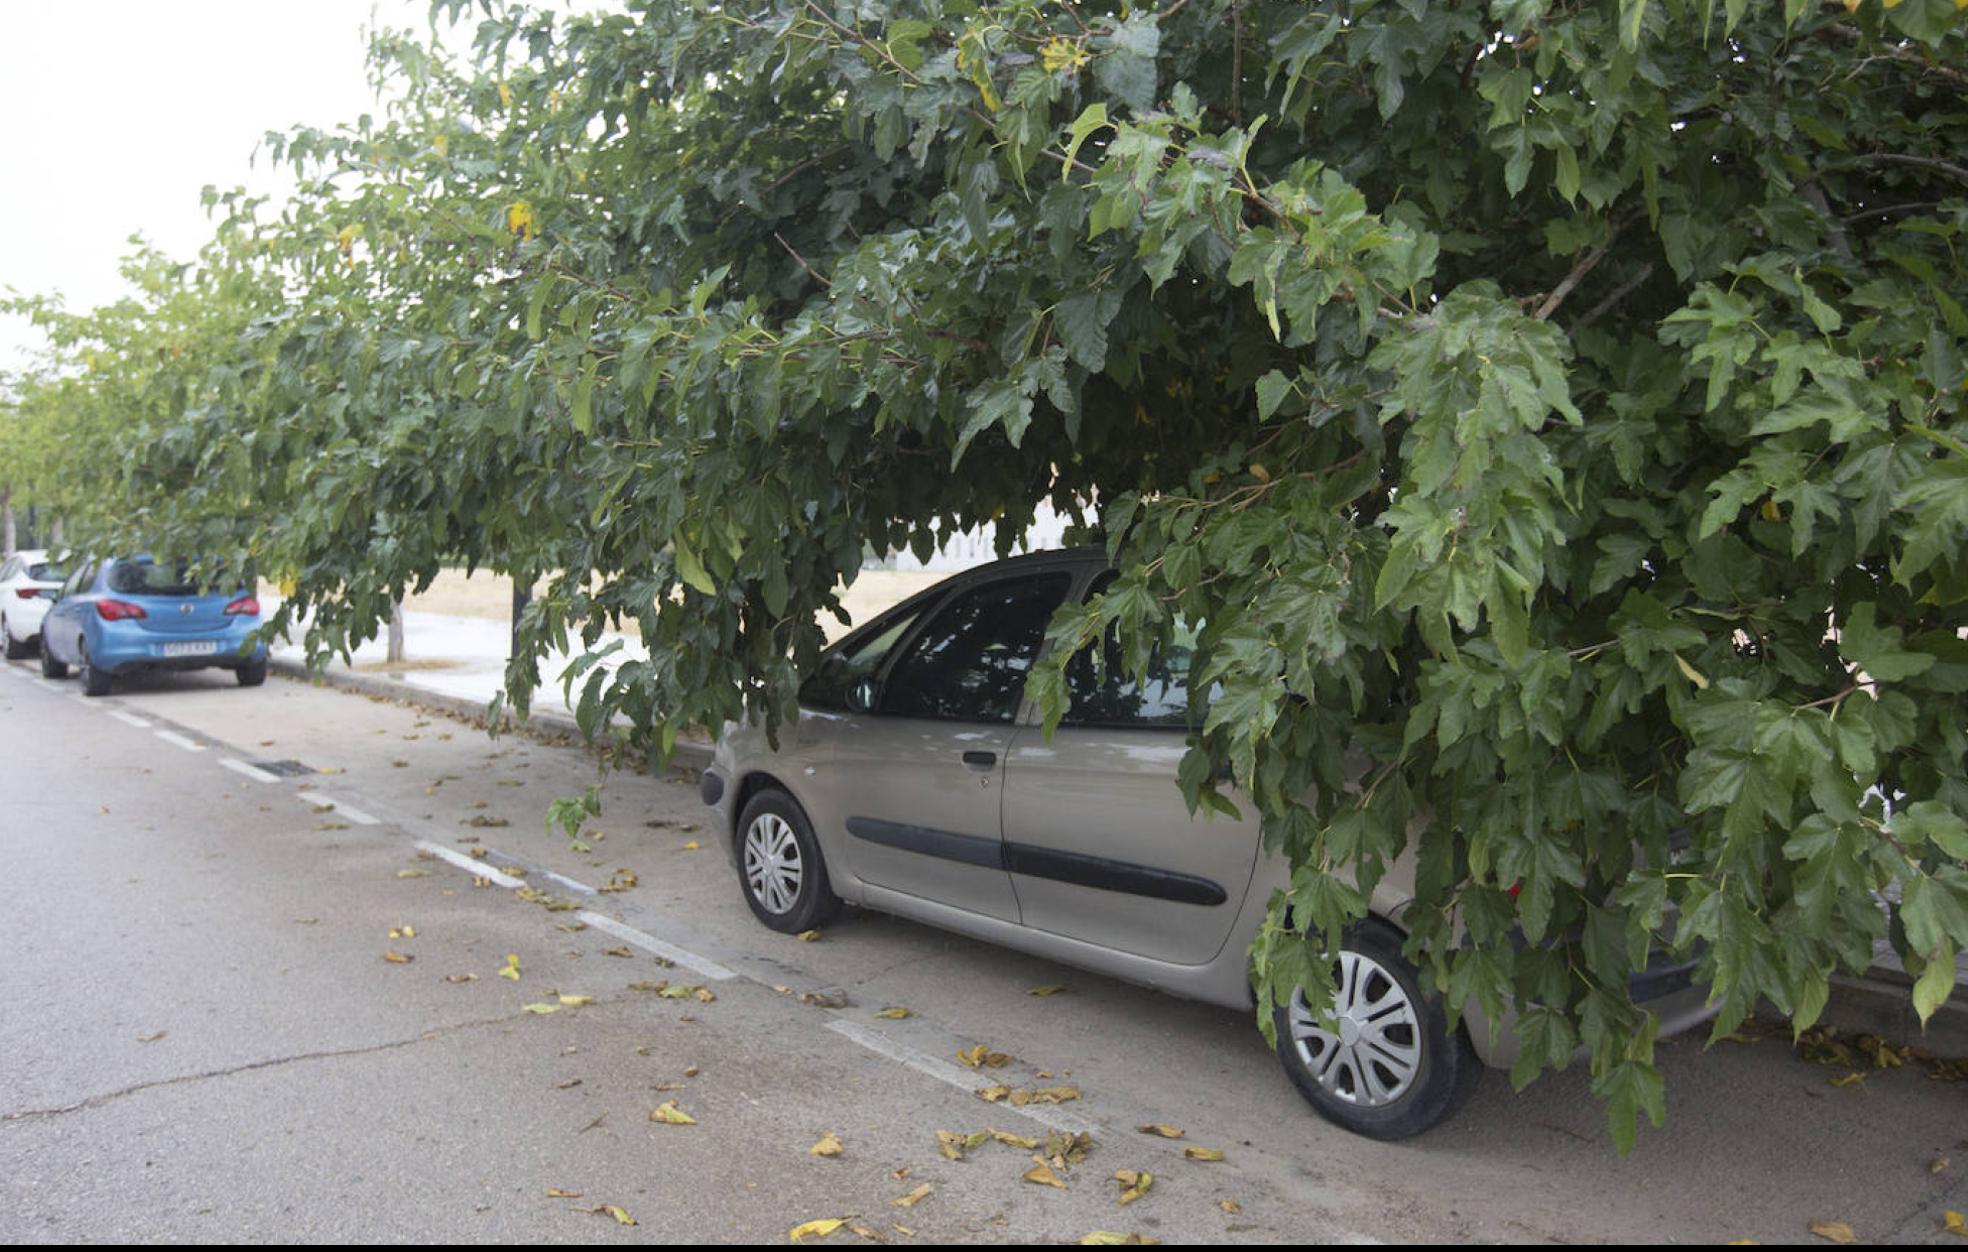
122, 647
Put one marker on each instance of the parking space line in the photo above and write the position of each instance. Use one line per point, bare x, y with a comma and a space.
251, 771
49, 684
177, 740
469, 865
942, 1071
668, 951
341, 810
130, 719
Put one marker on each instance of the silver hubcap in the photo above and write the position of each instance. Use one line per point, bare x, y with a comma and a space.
772, 863
1368, 1051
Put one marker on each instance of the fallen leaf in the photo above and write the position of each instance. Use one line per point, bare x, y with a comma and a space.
1015, 1141
1938, 1164
1202, 1154
829, 1145
1852, 1079
1064, 1149
669, 1114
1157, 1128
831, 998
461, 978
913, 1198
483, 821
691, 846
895, 1013
690, 1071
900, 1174
1114, 1238
307, 921
900, 1229
413, 873
991, 1095
575, 1002
950, 1144
476, 852
481, 882
604, 951
403, 932
576, 927
815, 1229
980, 1056
1042, 1175
1050, 989
1044, 1095
619, 1214
807, 936
398, 958
1134, 1184
705, 994
1954, 1223
153, 1036
555, 1193
570, 1083
1836, 1232
542, 1008
511, 967
620, 880
1230, 1206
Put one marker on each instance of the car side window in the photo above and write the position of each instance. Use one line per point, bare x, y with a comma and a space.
841, 668
78, 580
1106, 695
969, 663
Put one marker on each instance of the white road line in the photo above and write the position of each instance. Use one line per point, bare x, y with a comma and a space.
251, 771
177, 740
570, 884
130, 719
341, 810
956, 1076
668, 951
49, 684
469, 865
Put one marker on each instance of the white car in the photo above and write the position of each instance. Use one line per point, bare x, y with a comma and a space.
29, 583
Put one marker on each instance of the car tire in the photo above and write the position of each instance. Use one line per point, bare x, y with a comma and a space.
17, 650
50, 667
780, 869
95, 681
251, 674
1394, 1069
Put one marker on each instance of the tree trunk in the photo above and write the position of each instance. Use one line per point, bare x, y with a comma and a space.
396, 631
55, 533
7, 533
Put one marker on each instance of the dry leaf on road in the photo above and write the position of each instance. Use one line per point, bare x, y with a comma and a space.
398, 958
1015, 1141
1837, 1232
153, 1036
575, 1002
1050, 989
541, 1008
413, 873
1955, 1224
1157, 1128
815, 1229
980, 1056
511, 967
913, 1198
895, 1013
1202, 1154
1230, 1206
808, 936
555, 1193
829, 1145
461, 978
1114, 1238
1134, 1184
1042, 1175
670, 1115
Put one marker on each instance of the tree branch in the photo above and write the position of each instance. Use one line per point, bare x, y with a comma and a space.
1924, 162
1618, 293
1579, 270
817, 276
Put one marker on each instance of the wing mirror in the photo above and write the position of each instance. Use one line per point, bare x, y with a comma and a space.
861, 696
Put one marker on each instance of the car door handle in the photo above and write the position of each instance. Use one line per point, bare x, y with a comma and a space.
980, 760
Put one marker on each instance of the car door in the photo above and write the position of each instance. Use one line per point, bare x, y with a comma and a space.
920, 771
63, 624
1099, 843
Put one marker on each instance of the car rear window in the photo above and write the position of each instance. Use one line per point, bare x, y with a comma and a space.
46, 573
147, 578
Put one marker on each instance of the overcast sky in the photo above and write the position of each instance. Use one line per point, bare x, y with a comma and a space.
117, 112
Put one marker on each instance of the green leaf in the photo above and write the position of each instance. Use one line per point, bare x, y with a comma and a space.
689, 568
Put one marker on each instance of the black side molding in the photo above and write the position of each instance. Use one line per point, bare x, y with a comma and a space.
1097, 872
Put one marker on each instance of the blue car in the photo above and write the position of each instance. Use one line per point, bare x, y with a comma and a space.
130, 613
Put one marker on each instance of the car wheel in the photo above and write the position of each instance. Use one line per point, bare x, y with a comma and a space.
16, 649
1387, 1066
50, 667
779, 865
251, 674
95, 681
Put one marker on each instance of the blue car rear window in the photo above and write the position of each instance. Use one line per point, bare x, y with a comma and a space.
147, 578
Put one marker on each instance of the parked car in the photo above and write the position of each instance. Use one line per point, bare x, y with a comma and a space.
918, 781
125, 614
28, 584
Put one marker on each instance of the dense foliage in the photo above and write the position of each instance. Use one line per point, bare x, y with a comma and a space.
1552, 412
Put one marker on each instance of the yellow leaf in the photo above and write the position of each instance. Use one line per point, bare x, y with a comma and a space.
950, 1144
1042, 1175
1260, 473
1956, 1224
1851, 1079
1230, 1206
1837, 1232
895, 1014
555, 1193
807, 936
816, 1229
1114, 1238
1202, 1154
440, 144
912, 1199
980, 1056
1692, 674
1015, 1141
704, 994
1134, 1184
829, 1145
505, 94
461, 978
520, 221
991, 1095
1157, 1128
511, 967
670, 1115
1050, 989
575, 1002
542, 1008
619, 1214
398, 958
691, 846
690, 1071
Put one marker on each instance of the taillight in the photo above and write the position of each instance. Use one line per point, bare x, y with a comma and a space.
1516, 889
27, 593
244, 606
118, 610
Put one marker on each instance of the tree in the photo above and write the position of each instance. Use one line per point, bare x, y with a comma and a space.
1552, 412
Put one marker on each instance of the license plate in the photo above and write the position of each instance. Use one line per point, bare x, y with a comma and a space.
197, 647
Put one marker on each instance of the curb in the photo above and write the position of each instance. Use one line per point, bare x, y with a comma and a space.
1880, 1002
693, 753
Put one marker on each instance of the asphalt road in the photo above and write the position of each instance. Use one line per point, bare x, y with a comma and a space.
201, 1037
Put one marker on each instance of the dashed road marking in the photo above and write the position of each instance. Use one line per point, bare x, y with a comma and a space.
251, 771
942, 1071
177, 740
341, 809
49, 684
470, 865
130, 719
668, 951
